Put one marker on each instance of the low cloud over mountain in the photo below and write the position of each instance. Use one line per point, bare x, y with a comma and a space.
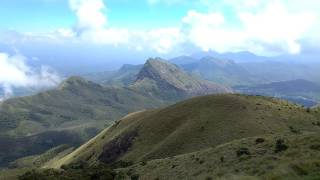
16, 73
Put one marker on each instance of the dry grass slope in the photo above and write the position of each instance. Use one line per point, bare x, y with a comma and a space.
193, 125
258, 160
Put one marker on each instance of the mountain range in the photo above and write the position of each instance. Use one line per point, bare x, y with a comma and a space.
242, 76
299, 91
213, 69
81, 108
176, 119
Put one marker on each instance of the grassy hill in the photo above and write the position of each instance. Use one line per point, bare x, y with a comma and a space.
192, 125
252, 158
42, 159
75, 102
70, 114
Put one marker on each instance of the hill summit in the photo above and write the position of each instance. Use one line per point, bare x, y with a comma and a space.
192, 125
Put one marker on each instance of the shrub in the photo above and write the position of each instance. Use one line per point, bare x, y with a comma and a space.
315, 147
259, 140
135, 177
243, 151
222, 159
143, 163
280, 146
293, 130
80, 172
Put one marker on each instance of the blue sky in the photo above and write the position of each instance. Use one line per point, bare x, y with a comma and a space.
46, 15
35, 15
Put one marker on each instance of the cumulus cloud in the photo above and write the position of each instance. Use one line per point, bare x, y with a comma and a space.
92, 23
89, 13
14, 72
271, 28
165, 39
262, 27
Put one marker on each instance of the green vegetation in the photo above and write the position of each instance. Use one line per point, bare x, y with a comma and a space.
300, 160
42, 159
222, 136
125, 76
73, 104
80, 171
71, 114
210, 137
79, 109
192, 125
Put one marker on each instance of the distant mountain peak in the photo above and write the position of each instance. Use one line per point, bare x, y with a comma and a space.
157, 62
167, 76
75, 81
156, 68
127, 67
217, 61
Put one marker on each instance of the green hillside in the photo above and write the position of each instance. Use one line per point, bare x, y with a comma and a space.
42, 159
70, 114
75, 103
252, 158
78, 109
125, 76
192, 125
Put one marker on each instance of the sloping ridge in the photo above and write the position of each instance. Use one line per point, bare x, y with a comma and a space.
245, 159
190, 126
161, 75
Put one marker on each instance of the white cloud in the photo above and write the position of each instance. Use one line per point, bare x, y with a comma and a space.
92, 24
14, 72
111, 36
275, 25
204, 20
65, 32
89, 13
262, 27
165, 39
272, 26
209, 31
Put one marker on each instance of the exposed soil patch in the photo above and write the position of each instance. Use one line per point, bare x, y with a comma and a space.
117, 147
